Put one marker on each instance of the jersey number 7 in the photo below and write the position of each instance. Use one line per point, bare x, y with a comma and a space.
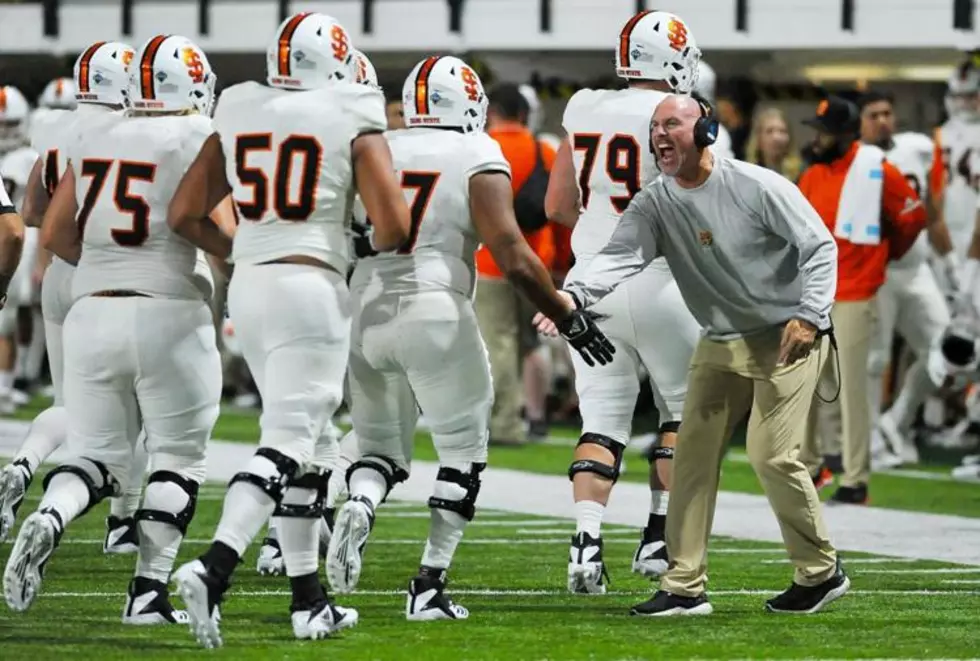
424, 184
622, 166
98, 171
306, 148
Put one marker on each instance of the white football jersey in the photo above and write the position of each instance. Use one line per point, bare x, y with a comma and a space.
288, 156
15, 168
609, 133
434, 167
912, 154
722, 148
127, 170
956, 173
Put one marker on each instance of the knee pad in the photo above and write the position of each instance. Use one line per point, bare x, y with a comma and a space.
277, 475
597, 467
161, 498
456, 491
97, 478
383, 465
305, 496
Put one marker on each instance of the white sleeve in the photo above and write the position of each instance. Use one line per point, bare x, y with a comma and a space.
367, 107
198, 130
4, 198
572, 108
485, 156
723, 145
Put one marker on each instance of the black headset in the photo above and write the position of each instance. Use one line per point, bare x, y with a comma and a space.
706, 128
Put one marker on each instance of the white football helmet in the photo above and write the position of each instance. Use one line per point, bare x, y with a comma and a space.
535, 116
956, 353
657, 45
59, 94
707, 82
962, 98
366, 73
444, 91
102, 73
171, 73
14, 112
309, 51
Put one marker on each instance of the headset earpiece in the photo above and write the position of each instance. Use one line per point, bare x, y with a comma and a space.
706, 128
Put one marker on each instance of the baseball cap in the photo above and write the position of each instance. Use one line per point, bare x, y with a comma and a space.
835, 115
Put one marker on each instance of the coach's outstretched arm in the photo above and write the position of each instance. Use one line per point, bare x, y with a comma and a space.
11, 241
203, 187
492, 211
631, 248
381, 194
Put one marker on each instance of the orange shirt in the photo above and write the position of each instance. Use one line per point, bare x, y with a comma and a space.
861, 268
517, 143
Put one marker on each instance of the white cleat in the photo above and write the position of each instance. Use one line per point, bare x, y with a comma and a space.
148, 604
427, 601
120, 536
25, 568
271, 562
325, 620
195, 587
650, 559
967, 473
13, 484
345, 552
586, 570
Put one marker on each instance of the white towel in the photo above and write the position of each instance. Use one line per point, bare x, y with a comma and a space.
859, 209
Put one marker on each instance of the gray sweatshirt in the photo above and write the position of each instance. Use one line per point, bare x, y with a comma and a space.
748, 251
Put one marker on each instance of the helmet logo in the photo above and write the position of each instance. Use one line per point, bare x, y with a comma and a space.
339, 43
127, 57
195, 68
677, 34
470, 84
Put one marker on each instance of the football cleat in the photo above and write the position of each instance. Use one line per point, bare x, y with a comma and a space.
322, 620
586, 570
148, 603
120, 536
202, 593
271, 562
36, 542
14, 480
350, 534
427, 600
650, 559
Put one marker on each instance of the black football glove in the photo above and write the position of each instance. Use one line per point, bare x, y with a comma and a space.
362, 240
580, 331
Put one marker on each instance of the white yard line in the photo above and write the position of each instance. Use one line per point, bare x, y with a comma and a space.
945, 570
474, 541
961, 581
850, 561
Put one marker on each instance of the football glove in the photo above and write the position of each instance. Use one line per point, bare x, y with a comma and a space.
580, 331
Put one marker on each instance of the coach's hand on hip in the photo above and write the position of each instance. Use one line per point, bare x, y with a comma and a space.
798, 339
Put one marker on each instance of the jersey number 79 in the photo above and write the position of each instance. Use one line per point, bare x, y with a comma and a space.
622, 166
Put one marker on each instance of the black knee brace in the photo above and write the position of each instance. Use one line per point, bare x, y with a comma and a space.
271, 486
179, 520
466, 507
316, 482
591, 466
381, 465
99, 482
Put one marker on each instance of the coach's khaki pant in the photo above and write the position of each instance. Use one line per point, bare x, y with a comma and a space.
498, 316
728, 380
854, 328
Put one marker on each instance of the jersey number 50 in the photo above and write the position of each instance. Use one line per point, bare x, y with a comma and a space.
297, 208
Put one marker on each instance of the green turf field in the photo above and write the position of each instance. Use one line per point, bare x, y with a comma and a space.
510, 573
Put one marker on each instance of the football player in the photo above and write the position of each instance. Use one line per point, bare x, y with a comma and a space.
910, 301
415, 341
11, 245
293, 170
604, 160
101, 72
139, 340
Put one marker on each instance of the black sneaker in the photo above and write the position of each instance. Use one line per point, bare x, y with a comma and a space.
427, 600
121, 535
665, 604
805, 600
850, 495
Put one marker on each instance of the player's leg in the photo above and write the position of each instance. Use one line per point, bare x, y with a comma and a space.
98, 394
449, 372
666, 335
923, 317
8, 352
607, 398
120, 525
287, 318
384, 414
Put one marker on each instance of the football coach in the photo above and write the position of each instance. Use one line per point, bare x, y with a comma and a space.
758, 269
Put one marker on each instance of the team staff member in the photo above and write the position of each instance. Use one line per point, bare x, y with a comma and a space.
11, 241
757, 268
883, 219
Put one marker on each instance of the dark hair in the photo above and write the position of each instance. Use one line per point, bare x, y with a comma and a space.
392, 93
508, 102
874, 96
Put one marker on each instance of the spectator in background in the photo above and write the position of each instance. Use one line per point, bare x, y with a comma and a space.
771, 144
874, 216
504, 316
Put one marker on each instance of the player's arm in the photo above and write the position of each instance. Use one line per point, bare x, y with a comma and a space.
202, 188
381, 194
561, 202
59, 231
492, 211
904, 212
35, 197
11, 241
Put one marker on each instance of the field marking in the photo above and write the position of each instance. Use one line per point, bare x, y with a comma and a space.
854, 561
975, 570
961, 581
570, 530
533, 593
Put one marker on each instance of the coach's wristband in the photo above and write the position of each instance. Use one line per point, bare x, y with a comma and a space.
5, 209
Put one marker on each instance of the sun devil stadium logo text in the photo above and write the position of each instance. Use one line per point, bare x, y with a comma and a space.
706, 238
